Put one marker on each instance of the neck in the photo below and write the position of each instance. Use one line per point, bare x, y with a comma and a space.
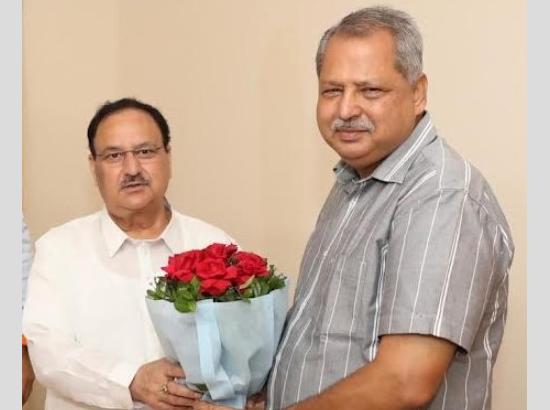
145, 224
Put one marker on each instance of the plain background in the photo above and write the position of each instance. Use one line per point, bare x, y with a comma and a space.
236, 81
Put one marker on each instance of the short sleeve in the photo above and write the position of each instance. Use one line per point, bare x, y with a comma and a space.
442, 266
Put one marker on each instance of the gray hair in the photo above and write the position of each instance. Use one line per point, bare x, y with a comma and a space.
408, 40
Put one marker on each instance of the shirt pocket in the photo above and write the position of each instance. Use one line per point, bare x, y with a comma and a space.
351, 293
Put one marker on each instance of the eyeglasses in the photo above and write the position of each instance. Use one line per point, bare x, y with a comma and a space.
141, 154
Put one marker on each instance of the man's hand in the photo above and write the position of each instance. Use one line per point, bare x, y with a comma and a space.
154, 385
28, 375
255, 402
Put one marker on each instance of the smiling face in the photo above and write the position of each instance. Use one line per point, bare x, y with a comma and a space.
366, 108
130, 183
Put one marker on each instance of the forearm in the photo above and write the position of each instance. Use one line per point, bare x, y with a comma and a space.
406, 374
371, 388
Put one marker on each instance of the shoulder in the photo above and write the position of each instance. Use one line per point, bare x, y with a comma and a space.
440, 169
69, 231
452, 170
441, 177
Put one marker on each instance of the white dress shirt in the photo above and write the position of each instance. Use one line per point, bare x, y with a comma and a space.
85, 318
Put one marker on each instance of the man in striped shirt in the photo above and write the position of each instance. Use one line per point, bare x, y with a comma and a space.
402, 295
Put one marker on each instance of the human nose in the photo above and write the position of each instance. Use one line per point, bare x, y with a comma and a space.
349, 106
130, 163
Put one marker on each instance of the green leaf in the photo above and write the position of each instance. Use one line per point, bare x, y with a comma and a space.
184, 293
151, 294
185, 306
195, 285
264, 288
276, 282
230, 295
256, 288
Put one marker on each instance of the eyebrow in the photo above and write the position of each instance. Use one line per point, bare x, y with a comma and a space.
118, 148
367, 83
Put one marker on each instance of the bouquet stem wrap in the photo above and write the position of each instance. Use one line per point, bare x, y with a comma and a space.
229, 346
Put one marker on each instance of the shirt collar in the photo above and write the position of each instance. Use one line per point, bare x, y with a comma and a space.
115, 237
395, 166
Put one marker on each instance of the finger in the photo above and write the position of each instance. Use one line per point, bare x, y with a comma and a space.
183, 391
203, 405
180, 402
160, 405
255, 406
257, 401
251, 405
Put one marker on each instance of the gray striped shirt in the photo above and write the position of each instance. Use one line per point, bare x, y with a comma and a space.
421, 246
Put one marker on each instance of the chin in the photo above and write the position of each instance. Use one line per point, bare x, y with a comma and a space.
136, 205
354, 158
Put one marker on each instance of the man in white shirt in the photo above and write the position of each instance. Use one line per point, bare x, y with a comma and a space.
90, 337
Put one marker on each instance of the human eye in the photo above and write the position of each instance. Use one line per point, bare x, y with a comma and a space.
331, 92
114, 156
372, 92
145, 152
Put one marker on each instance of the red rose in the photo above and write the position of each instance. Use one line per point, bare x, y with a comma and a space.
211, 268
182, 266
232, 274
220, 250
249, 264
240, 280
214, 287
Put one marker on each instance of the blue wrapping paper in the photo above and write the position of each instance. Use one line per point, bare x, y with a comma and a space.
227, 346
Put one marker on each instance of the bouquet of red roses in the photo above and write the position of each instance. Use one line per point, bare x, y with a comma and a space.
220, 272
226, 349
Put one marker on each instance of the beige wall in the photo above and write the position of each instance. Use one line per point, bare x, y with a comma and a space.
236, 81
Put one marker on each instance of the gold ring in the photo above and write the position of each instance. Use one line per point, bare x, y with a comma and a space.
164, 388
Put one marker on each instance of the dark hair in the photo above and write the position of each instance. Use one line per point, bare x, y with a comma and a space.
125, 103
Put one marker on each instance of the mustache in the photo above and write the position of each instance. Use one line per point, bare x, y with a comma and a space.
362, 123
130, 180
